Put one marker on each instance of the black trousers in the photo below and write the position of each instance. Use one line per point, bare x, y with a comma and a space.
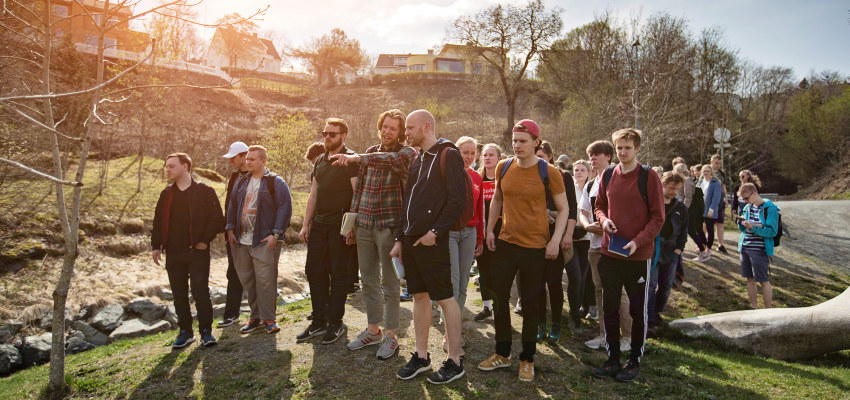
328, 272
234, 288
553, 283
485, 268
510, 259
184, 268
587, 291
617, 274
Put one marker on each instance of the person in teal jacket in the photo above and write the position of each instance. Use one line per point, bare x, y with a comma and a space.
759, 224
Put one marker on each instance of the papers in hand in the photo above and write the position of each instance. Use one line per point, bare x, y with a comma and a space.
616, 244
398, 267
347, 223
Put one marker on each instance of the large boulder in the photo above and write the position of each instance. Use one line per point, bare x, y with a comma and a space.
166, 294
137, 328
9, 330
91, 334
781, 333
10, 359
218, 295
85, 312
145, 308
46, 322
76, 345
36, 350
171, 316
108, 318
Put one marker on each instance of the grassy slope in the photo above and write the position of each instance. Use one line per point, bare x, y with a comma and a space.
264, 366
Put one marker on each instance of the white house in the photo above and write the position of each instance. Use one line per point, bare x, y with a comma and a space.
234, 49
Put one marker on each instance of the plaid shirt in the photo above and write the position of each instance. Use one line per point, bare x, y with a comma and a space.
380, 184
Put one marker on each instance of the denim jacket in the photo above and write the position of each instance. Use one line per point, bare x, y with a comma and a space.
273, 216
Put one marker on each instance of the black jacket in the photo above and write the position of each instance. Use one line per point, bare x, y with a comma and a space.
676, 237
205, 215
431, 201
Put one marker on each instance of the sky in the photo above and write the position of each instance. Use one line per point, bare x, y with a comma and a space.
807, 36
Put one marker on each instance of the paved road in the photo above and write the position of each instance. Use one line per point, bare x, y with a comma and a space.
820, 229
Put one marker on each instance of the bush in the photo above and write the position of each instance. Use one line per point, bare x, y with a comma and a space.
132, 225
209, 174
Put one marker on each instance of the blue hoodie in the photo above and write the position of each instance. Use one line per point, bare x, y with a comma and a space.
770, 225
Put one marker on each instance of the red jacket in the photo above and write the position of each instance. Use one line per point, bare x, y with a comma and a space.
478, 216
622, 203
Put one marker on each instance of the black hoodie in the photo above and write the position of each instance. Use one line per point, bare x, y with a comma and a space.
432, 201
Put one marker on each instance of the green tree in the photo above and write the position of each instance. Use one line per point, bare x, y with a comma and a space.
286, 142
331, 55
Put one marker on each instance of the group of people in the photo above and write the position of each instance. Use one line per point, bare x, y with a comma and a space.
424, 209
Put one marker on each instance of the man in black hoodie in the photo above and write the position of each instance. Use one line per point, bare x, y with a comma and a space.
236, 156
434, 199
187, 218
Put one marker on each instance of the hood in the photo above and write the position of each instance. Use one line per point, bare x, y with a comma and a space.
438, 146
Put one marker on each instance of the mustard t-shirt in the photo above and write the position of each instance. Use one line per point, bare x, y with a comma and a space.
525, 221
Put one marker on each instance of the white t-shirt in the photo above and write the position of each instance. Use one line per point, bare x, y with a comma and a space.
584, 205
579, 191
249, 212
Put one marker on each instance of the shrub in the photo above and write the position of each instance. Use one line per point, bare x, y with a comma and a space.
209, 174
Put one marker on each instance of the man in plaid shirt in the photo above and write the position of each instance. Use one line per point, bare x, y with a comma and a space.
377, 200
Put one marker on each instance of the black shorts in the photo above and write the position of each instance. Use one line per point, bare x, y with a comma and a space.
428, 268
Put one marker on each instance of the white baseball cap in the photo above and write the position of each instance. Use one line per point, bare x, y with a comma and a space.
235, 149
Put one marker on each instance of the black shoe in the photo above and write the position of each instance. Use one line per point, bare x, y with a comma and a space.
609, 369
629, 372
415, 366
310, 317
207, 339
722, 249
314, 330
484, 315
447, 373
333, 333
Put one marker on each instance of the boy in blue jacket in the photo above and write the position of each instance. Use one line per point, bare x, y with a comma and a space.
759, 223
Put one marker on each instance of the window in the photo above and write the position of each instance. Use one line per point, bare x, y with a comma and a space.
98, 19
91, 40
476, 68
450, 66
110, 43
417, 67
60, 11
400, 60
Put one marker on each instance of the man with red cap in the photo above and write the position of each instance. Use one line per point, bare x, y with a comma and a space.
523, 187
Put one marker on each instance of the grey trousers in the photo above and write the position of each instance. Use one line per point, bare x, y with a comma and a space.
257, 270
462, 253
381, 288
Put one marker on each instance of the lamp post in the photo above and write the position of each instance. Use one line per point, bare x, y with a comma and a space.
635, 47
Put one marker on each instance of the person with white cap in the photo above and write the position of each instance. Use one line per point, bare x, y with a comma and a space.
236, 155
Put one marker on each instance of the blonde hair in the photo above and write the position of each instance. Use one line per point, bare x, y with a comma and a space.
710, 170
586, 165
493, 146
678, 160
747, 188
753, 177
397, 115
682, 168
464, 140
261, 149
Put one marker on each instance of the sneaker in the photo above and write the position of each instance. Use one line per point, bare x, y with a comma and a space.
526, 371
406, 296
474, 270
629, 372
183, 339
447, 373
575, 327
227, 321
271, 326
388, 348
364, 339
315, 329
518, 309
415, 366
625, 344
555, 333
310, 316
541, 332
446, 347
495, 361
207, 338
592, 313
722, 249
252, 325
333, 333
484, 315
609, 369
595, 343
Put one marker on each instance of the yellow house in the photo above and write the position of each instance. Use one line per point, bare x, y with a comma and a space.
451, 58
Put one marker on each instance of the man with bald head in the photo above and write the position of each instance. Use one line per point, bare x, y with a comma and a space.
434, 198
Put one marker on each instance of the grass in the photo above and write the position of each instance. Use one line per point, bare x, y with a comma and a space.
286, 88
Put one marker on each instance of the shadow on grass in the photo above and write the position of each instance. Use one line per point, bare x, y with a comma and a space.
169, 378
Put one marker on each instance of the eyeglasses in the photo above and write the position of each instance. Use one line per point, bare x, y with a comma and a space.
746, 198
331, 134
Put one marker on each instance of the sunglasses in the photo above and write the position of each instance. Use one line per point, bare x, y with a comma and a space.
520, 128
331, 134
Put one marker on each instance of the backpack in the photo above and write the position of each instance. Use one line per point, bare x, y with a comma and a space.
269, 179
469, 209
779, 228
643, 176
697, 204
542, 168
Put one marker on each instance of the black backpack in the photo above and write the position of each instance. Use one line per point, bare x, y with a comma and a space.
778, 237
643, 176
269, 179
697, 204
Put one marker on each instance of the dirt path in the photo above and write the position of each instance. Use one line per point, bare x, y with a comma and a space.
820, 230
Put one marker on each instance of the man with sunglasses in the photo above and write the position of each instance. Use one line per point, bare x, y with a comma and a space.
328, 252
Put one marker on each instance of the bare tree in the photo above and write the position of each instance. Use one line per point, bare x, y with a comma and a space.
510, 39
331, 55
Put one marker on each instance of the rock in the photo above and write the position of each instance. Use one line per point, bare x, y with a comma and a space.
47, 321
166, 294
75, 334
35, 350
171, 316
218, 310
76, 345
10, 359
91, 334
85, 313
218, 295
9, 330
137, 328
781, 333
108, 318
146, 309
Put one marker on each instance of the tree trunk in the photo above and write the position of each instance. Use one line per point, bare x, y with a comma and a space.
507, 135
142, 136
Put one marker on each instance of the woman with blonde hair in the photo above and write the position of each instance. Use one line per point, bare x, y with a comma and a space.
491, 153
713, 203
583, 173
738, 203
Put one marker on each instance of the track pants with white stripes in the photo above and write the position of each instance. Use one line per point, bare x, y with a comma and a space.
632, 275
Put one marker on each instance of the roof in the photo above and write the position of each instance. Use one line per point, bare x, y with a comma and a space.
270, 50
388, 60
235, 39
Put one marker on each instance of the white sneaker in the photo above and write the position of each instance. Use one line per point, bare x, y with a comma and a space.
595, 343
625, 344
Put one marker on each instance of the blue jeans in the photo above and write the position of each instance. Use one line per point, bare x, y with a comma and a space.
660, 284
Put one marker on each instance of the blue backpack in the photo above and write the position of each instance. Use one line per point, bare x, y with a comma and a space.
542, 167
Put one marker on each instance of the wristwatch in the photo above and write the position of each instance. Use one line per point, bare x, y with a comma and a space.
277, 236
